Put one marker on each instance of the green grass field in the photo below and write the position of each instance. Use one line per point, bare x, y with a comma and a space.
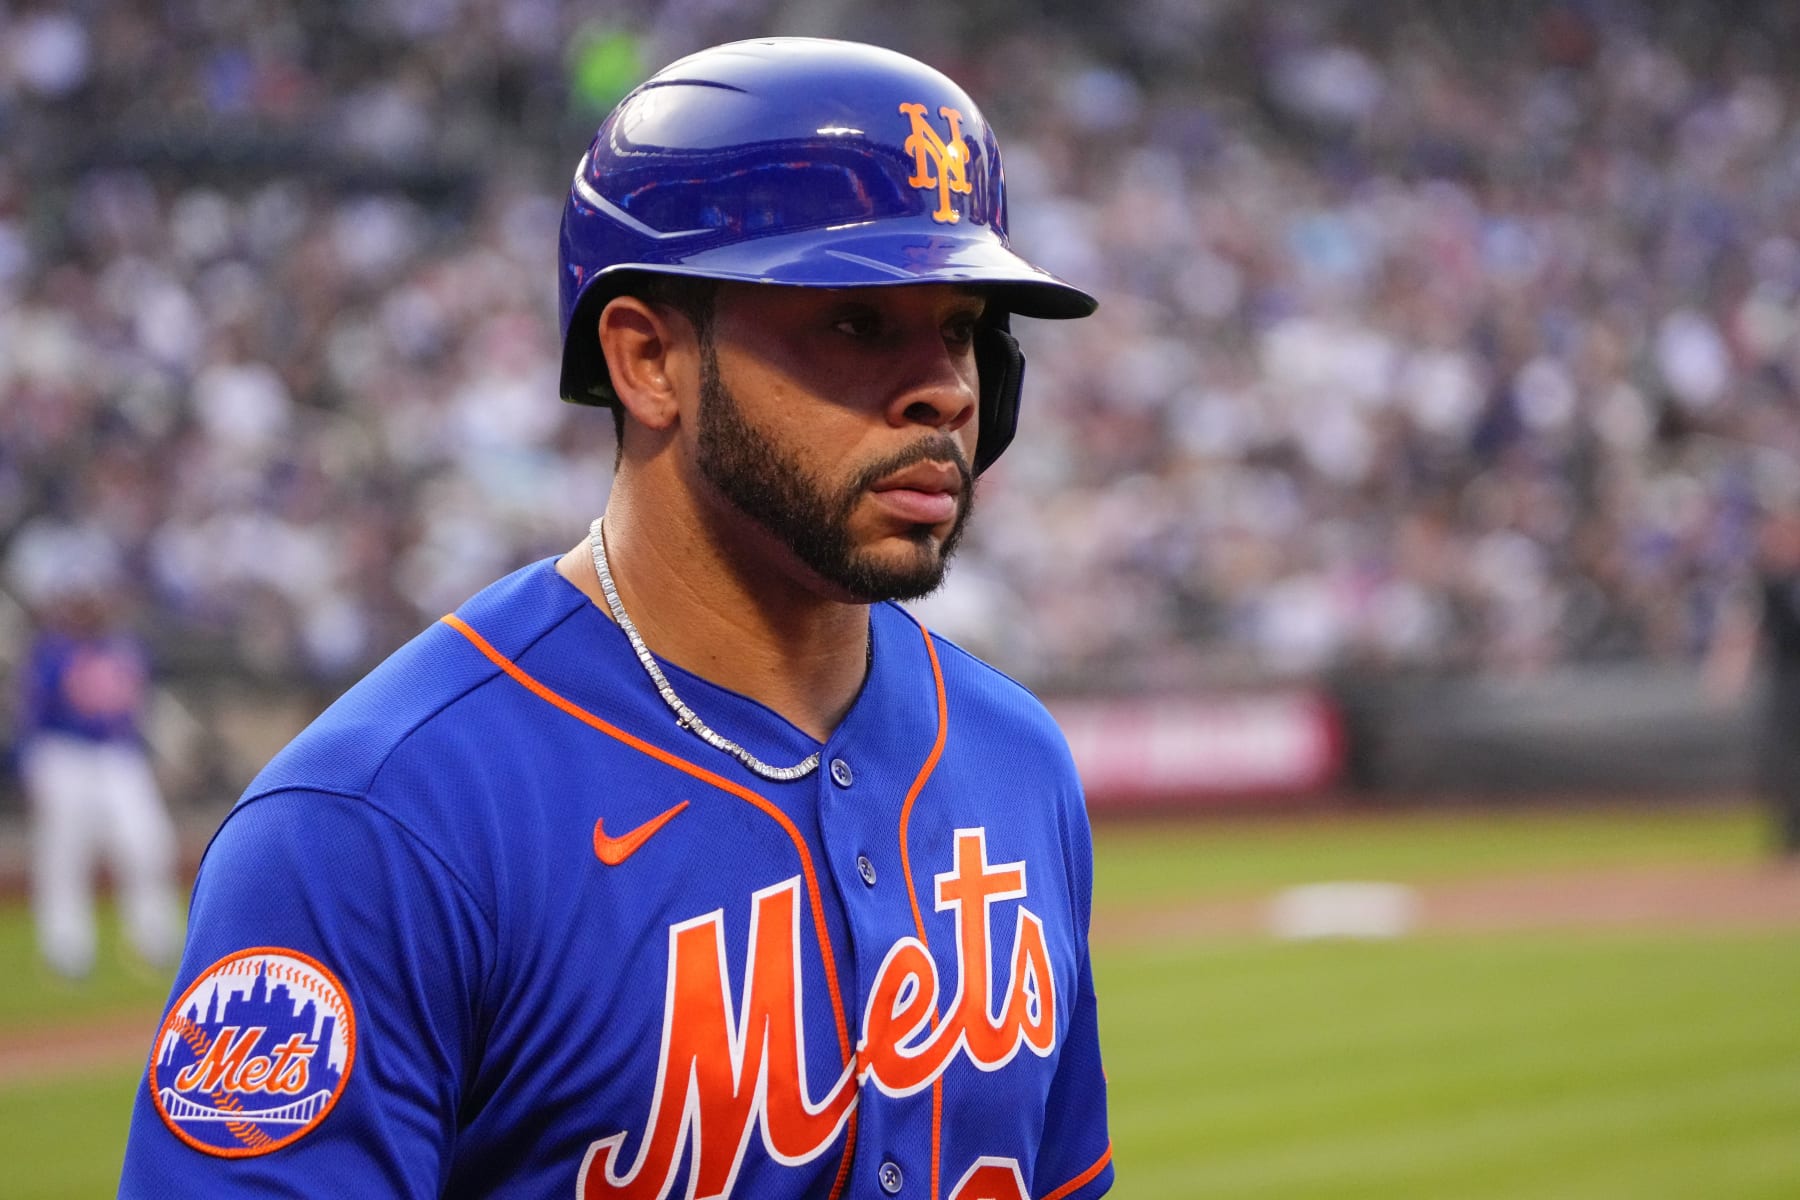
1530, 1065
66, 1135
1171, 861
1518, 1066
67, 1139
1542, 1065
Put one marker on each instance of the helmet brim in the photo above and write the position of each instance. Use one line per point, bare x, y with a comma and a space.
884, 257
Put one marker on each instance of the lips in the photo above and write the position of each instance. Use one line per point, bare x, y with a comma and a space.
922, 494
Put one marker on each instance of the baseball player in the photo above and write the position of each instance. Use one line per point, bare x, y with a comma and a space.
83, 691
690, 864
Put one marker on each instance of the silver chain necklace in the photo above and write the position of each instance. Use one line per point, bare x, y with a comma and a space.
684, 716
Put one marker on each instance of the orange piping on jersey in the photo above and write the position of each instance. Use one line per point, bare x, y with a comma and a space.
843, 1175
918, 783
912, 794
937, 1123
538, 689
1083, 1179
544, 693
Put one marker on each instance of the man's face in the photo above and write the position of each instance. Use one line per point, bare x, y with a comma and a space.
842, 423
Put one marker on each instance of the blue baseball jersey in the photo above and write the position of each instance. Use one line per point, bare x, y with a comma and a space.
494, 925
93, 688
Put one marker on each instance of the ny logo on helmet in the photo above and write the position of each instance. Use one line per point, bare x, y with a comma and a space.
950, 158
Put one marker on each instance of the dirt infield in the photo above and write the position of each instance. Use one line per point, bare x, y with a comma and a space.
1650, 898
61, 1051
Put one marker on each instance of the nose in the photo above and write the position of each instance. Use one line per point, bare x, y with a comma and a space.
940, 391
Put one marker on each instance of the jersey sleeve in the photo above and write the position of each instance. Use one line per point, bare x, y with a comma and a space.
324, 1022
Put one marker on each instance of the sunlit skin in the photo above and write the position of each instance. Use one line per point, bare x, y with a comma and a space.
833, 383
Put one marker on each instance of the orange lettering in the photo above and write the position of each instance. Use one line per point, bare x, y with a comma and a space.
991, 1179
289, 1072
223, 1061
901, 1002
950, 158
1031, 1010
970, 890
717, 1078
723, 1073
251, 1075
904, 996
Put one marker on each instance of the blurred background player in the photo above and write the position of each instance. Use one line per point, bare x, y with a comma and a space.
1778, 580
83, 690
1762, 627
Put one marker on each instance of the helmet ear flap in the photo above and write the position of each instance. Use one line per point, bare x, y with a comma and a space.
585, 379
1000, 369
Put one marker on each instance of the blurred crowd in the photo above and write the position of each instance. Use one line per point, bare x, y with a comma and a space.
1434, 337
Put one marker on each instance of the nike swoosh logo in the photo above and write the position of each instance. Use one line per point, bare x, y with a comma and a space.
614, 850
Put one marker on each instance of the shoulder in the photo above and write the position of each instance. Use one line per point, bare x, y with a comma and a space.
1005, 758
979, 682
417, 700
410, 756
987, 701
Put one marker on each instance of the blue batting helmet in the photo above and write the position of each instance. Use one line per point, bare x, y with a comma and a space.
803, 162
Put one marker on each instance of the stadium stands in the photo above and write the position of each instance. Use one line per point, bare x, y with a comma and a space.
1431, 340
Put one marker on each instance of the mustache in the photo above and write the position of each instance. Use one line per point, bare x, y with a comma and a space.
939, 448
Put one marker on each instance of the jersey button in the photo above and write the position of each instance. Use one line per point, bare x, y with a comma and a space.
841, 773
891, 1178
866, 869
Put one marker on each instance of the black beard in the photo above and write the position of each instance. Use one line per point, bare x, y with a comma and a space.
807, 515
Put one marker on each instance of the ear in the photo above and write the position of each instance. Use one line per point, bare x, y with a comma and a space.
641, 343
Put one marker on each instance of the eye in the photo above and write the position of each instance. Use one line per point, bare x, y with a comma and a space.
857, 322
959, 330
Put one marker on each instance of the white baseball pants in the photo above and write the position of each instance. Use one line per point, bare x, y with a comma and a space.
93, 802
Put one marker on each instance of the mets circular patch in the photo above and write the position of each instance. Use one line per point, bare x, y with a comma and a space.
254, 1054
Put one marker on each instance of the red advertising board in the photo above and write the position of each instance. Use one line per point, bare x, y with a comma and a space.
1203, 750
